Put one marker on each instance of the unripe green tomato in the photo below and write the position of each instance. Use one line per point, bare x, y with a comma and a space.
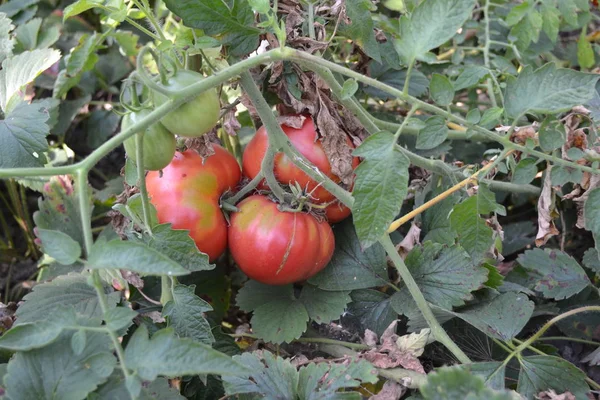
197, 116
159, 143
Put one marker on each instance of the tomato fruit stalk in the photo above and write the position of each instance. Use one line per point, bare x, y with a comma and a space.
308, 143
197, 116
159, 144
187, 196
278, 247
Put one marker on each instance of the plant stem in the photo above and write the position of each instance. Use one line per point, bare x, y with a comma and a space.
410, 113
486, 51
141, 171
246, 189
311, 20
407, 80
569, 339
436, 329
267, 168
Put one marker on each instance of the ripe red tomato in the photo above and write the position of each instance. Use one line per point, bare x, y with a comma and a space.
308, 143
277, 247
187, 196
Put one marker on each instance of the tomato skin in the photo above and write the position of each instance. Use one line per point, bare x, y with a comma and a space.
159, 144
187, 196
197, 116
305, 140
261, 237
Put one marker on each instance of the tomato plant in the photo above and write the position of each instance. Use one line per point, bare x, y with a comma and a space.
159, 144
306, 139
470, 263
186, 194
278, 247
195, 117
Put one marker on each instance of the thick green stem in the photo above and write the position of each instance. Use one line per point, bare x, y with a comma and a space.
267, 167
486, 51
413, 109
246, 189
141, 171
436, 329
407, 80
280, 142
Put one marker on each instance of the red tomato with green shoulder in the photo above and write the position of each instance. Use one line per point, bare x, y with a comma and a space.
187, 196
308, 143
278, 247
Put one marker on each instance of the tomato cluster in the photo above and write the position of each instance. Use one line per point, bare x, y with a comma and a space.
269, 244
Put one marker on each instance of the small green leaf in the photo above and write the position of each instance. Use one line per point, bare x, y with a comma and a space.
165, 354
441, 90
491, 116
361, 28
186, 315
59, 246
470, 76
473, 116
433, 134
119, 318
350, 87
585, 52
380, 188
552, 134
325, 380
492, 372
548, 90
6, 41
541, 373
518, 12
431, 24
553, 273
575, 153
351, 267
30, 336
525, 171
322, 306
132, 256
20, 70
562, 175
80, 6
456, 383
551, 16
83, 56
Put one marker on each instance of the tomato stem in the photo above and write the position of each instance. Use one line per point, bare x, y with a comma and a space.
141, 172
246, 189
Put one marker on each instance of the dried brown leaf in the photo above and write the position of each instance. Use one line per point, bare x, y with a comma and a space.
546, 212
389, 355
411, 239
390, 391
552, 395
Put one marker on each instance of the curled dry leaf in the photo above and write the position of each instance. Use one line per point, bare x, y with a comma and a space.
230, 122
593, 358
411, 239
203, 144
389, 355
552, 395
414, 343
546, 212
580, 194
390, 391
370, 338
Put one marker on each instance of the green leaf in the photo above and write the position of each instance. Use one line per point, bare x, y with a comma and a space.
475, 236
501, 317
445, 275
552, 134
128, 42
23, 135
178, 246
541, 373
326, 380
528, 29
561, 175
350, 87
83, 56
30, 336
492, 372
20, 70
6, 41
553, 273
59, 246
351, 267
431, 24
373, 309
592, 215
380, 188
271, 377
470, 76
495, 278
361, 28
186, 315
165, 354
591, 260
80, 6
433, 134
217, 18
525, 171
441, 90
69, 290
551, 17
115, 389
278, 316
119, 318
585, 52
66, 375
456, 383
473, 116
491, 116
518, 12
132, 256
548, 90
78, 341
322, 306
